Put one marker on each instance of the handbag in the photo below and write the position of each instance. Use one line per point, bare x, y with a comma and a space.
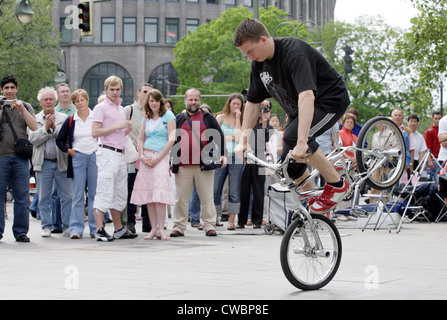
130, 152
23, 147
210, 161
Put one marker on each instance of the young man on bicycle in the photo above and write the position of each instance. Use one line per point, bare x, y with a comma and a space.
309, 90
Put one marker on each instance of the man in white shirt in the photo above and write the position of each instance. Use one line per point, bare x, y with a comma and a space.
419, 142
442, 135
111, 127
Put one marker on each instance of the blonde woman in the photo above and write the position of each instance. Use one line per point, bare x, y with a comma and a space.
75, 138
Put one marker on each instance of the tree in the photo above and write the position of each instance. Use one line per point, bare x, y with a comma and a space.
29, 51
425, 46
380, 80
206, 58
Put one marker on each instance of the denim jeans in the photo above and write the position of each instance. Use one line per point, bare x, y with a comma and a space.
16, 170
194, 207
45, 179
234, 173
84, 171
35, 205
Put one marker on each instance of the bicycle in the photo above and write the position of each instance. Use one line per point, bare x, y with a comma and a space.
311, 248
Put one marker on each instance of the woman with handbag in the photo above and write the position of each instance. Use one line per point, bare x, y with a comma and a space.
75, 138
230, 121
153, 183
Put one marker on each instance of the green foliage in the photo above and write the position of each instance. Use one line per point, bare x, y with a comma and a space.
381, 81
29, 51
206, 59
425, 46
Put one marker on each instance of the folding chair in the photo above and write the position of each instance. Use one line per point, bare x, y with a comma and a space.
443, 211
408, 191
382, 210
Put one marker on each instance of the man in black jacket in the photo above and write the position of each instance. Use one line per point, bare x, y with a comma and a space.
188, 163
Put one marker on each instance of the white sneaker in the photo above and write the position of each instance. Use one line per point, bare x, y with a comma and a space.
46, 233
66, 233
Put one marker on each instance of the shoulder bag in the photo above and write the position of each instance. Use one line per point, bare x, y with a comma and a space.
130, 152
24, 148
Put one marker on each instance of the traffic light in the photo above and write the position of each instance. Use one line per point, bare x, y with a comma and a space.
348, 59
86, 18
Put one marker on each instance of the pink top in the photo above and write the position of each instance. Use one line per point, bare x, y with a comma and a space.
109, 114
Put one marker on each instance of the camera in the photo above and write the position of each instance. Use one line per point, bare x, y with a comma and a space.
266, 109
5, 102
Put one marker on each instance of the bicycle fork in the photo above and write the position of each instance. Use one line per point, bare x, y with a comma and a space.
308, 249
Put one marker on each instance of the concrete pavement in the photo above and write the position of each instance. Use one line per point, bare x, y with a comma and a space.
235, 265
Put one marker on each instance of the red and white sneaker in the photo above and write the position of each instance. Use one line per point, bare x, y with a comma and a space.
330, 197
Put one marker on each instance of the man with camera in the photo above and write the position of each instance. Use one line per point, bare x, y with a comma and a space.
13, 168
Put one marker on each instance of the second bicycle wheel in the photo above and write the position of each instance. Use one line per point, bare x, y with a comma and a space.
306, 264
381, 152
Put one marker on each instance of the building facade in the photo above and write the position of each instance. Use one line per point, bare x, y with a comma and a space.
134, 39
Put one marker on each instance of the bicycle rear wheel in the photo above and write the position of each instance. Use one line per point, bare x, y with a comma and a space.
381, 152
306, 265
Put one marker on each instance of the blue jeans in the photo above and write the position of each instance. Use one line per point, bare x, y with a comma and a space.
45, 179
16, 170
234, 172
194, 207
35, 205
85, 172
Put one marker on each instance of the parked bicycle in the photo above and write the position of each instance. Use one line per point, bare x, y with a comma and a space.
311, 247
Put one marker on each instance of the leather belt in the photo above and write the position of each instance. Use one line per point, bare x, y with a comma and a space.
111, 148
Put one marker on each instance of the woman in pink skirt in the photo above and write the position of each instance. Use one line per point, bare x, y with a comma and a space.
153, 184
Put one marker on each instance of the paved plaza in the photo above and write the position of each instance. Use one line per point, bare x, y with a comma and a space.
235, 265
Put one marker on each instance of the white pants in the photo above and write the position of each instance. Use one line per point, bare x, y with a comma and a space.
111, 189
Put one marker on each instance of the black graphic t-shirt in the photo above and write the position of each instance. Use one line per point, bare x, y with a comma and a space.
296, 67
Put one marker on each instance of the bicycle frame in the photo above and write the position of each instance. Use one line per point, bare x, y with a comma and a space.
280, 170
355, 181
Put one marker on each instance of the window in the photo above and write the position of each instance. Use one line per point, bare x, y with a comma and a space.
151, 30
310, 9
93, 82
66, 35
212, 1
278, 4
161, 76
171, 36
191, 25
248, 3
108, 30
129, 29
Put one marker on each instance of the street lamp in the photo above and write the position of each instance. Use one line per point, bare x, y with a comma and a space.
23, 11
60, 76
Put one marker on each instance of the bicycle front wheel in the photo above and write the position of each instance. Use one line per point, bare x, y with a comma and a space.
310, 259
381, 153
